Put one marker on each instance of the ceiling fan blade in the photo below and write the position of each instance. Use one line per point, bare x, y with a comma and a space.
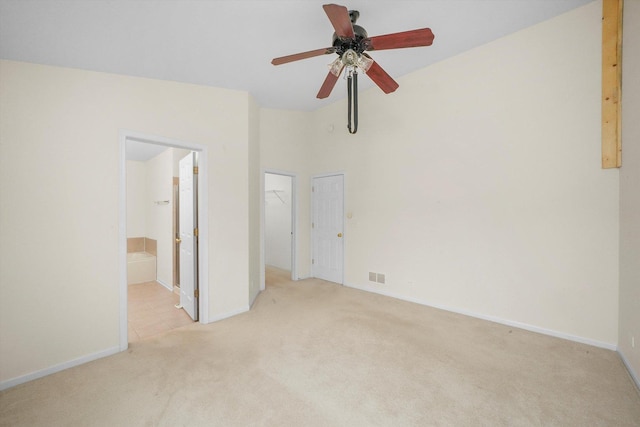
302, 55
412, 38
328, 85
381, 78
339, 17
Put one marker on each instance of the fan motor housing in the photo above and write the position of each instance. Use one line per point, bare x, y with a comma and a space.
344, 44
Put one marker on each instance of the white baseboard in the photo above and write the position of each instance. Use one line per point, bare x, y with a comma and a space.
254, 299
94, 356
632, 374
169, 287
228, 314
532, 328
57, 368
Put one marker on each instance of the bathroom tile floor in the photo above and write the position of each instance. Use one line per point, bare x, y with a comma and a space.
151, 311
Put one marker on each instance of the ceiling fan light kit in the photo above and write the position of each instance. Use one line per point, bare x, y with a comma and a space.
350, 41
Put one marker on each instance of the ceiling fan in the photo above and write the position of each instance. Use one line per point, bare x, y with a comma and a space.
350, 42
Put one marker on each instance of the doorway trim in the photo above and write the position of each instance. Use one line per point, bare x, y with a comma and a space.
294, 223
203, 226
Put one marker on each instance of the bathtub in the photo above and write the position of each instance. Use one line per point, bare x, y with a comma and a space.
141, 267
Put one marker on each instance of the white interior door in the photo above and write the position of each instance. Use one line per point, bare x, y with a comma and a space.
188, 235
328, 228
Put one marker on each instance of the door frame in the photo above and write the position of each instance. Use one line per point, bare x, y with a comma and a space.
203, 224
294, 223
344, 233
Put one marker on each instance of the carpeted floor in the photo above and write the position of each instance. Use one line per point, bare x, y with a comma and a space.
312, 353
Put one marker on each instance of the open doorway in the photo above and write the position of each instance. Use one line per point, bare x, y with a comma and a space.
279, 225
149, 168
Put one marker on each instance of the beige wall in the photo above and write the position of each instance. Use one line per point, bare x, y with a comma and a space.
59, 183
254, 200
159, 217
630, 192
477, 186
285, 147
136, 196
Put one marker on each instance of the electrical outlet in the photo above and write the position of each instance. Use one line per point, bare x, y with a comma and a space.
372, 277
380, 278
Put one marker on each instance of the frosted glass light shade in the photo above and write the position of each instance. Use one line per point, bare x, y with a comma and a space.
336, 67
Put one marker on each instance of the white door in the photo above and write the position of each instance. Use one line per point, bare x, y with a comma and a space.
188, 236
328, 228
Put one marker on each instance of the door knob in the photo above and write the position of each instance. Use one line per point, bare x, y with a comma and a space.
178, 240
339, 234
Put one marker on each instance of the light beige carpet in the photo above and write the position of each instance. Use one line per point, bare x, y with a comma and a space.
312, 353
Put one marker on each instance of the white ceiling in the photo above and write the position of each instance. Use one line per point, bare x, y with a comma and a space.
142, 151
230, 44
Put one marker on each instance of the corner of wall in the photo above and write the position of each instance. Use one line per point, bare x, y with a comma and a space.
254, 200
629, 282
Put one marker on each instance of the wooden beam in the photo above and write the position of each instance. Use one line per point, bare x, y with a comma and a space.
611, 83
